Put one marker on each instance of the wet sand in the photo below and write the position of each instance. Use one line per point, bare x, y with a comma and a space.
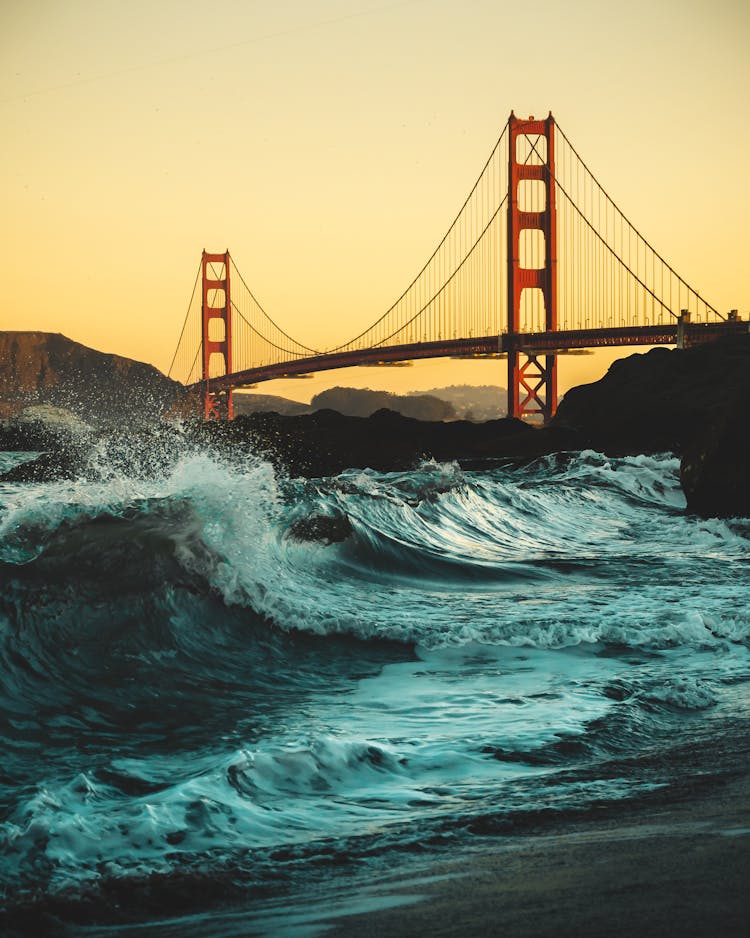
661, 870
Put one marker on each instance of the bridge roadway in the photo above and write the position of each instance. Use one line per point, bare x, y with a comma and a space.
534, 343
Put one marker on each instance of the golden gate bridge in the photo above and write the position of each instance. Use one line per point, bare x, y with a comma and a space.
539, 260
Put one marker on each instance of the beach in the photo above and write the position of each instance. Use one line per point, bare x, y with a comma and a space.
680, 869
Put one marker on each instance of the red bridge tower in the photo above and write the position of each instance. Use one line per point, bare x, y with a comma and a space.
532, 386
216, 333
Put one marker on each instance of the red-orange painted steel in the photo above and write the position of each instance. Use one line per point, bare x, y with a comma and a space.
527, 398
217, 401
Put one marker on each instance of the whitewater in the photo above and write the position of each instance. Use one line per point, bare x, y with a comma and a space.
204, 705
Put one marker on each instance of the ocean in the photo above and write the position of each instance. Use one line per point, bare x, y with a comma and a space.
211, 712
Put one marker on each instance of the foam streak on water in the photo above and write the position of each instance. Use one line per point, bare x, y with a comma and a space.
191, 687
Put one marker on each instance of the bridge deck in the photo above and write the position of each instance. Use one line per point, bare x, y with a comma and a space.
536, 343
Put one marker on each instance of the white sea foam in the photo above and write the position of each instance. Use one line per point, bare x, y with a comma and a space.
421, 750
685, 693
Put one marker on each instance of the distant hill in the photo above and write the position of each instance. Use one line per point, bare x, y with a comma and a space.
268, 403
474, 402
464, 402
45, 368
355, 402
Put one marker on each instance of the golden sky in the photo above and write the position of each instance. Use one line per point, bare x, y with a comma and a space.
328, 145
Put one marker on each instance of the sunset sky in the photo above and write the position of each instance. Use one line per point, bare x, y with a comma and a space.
329, 144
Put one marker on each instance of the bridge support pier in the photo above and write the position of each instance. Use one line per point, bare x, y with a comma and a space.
216, 315
683, 320
532, 386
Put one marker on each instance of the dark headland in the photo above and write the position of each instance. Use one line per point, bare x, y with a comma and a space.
693, 402
48, 369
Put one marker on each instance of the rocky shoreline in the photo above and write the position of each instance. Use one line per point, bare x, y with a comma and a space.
695, 403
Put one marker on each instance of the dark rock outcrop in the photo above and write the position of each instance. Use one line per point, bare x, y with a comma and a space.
313, 445
326, 442
663, 400
59, 463
715, 470
325, 528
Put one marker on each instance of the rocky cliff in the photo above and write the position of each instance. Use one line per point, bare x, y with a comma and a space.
48, 368
665, 399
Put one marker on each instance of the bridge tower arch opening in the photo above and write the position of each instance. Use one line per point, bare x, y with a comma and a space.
216, 329
532, 382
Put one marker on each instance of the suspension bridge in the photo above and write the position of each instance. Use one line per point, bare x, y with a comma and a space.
539, 260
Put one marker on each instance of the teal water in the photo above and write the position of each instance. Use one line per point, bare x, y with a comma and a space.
197, 697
